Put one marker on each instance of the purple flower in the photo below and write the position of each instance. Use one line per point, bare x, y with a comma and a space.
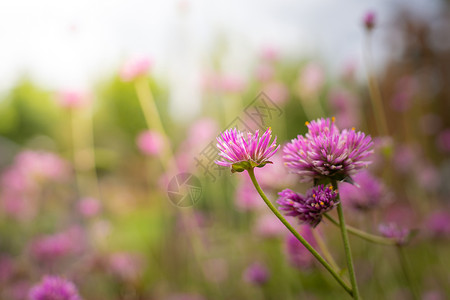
256, 273
393, 231
366, 194
369, 20
327, 152
242, 153
309, 208
54, 288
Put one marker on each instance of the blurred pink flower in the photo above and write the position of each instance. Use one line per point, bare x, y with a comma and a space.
346, 108
405, 157
73, 99
264, 72
40, 165
438, 224
247, 198
20, 181
231, 83
443, 140
405, 90
369, 20
270, 53
349, 70
277, 92
427, 176
135, 68
89, 207
202, 131
127, 266
311, 79
222, 83
298, 256
48, 248
275, 175
150, 142
257, 273
369, 193
269, 226
216, 269
6, 268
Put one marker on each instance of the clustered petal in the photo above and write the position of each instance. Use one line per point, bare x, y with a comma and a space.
310, 207
54, 288
327, 152
236, 147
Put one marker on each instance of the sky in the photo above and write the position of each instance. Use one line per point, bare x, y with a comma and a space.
72, 44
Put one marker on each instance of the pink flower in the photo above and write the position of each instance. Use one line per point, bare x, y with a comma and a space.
240, 150
269, 226
135, 68
127, 266
247, 198
443, 140
89, 207
369, 20
73, 99
311, 79
231, 84
49, 248
150, 142
270, 53
264, 72
277, 92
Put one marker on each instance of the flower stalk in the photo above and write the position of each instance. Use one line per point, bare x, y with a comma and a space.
324, 263
364, 235
348, 252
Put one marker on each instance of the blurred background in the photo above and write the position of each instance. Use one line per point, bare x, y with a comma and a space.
109, 111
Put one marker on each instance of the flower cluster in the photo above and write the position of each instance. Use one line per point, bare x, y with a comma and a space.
308, 208
244, 151
327, 152
54, 288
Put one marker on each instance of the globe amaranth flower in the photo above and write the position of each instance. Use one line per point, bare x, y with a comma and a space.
310, 207
54, 288
326, 152
242, 151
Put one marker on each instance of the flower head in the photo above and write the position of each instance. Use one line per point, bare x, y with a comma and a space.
150, 142
244, 151
327, 152
310, 207
54, 288
135, 68
369, 20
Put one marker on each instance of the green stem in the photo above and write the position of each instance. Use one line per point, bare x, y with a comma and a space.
404, 265
348, 251
324, 263
364, 235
